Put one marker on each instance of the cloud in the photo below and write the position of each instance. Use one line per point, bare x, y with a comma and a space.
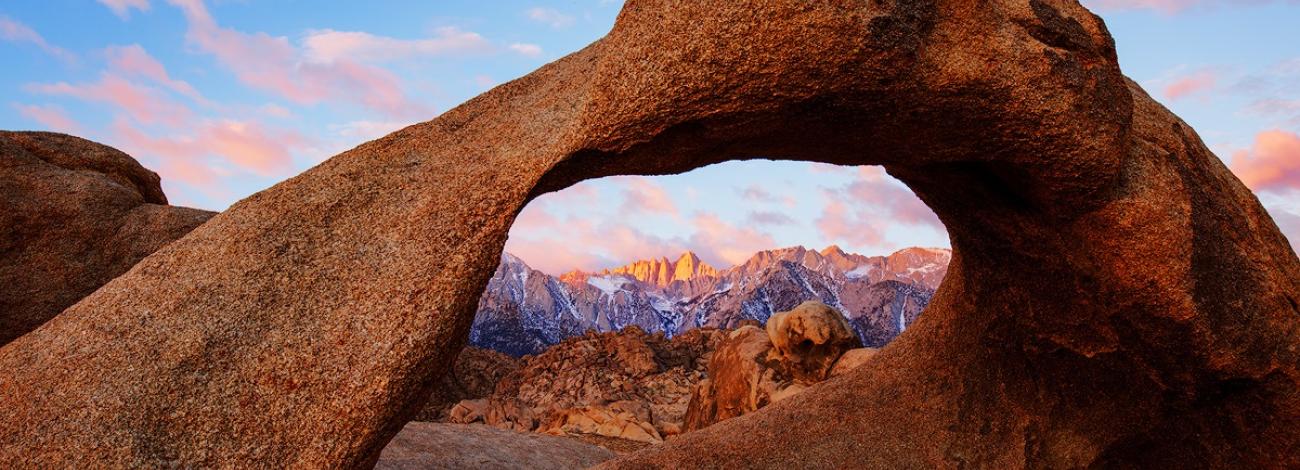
273, 64
715, 239
1272, 92
530, 50
555, 245
1197, 82
142, 103
1289, 223
1272, 163
213, 148
769, 218
756, 193
275, 110
329, 46
859, 214
122, 8
549, 16
368, 130
133, 60
641, 195
1170, 7
13, 31
50, 116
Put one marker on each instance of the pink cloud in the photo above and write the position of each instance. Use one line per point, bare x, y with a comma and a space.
1197, 82
839, 223
1170, 7
716, 240
641, 195
327, 46
535, 217
1272, 163
122, 8
213, 150
769, 218
133, 60
272, 64
556, 246
859, 214
140, 102
14, 31
50, 116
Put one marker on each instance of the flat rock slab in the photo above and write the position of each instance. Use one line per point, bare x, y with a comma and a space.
436, 446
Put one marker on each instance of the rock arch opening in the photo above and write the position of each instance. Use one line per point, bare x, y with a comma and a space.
684, 260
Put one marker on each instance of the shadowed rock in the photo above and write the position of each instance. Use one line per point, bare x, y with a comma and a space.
75, 215
1115, 298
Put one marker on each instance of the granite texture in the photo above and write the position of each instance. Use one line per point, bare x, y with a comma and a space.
75, 214
1116, 297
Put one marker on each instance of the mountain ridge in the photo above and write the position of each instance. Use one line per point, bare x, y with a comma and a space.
524, 310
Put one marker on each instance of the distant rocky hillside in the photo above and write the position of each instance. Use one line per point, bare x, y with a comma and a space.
523, 311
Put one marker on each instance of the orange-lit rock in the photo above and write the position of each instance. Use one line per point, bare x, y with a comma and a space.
1116, 297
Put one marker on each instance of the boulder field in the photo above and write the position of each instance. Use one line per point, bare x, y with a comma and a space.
1116, 297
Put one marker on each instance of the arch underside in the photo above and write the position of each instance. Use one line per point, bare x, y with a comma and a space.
1116, 296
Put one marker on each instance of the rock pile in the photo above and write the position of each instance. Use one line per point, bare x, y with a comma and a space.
755, 367
627, 385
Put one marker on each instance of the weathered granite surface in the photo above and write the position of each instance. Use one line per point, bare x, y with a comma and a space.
1116, 297
74, 214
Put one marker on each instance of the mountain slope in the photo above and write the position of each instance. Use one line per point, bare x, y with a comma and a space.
524, 310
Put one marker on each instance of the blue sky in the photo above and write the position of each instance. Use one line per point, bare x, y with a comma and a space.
227, 97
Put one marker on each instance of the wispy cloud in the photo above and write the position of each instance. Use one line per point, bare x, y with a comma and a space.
329, 46
859, 214
133, 60
642, 195
1199, 81
550, 16
273, 64
142, 103
50, 116
1170, 7
530, 50
11, 30
213, 149
122, 8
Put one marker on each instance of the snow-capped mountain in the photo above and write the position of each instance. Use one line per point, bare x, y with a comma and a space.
524, 310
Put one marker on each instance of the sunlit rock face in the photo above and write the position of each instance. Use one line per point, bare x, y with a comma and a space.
1116, 297
523, 310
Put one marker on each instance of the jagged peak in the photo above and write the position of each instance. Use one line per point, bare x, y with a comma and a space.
833, 249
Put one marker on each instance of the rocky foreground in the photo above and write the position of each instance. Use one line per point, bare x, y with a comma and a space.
628, 389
